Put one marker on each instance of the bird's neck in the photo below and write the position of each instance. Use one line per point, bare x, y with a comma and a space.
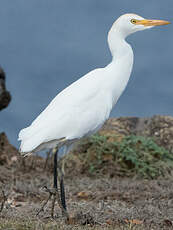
122, 53
117, 44
120, 68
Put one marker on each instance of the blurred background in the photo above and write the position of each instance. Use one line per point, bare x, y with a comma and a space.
47, 44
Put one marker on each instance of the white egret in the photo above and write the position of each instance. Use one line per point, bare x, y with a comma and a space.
82, 108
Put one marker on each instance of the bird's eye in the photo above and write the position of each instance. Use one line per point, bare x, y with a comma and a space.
133, 21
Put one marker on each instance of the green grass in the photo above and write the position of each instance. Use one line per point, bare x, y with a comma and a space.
133, 155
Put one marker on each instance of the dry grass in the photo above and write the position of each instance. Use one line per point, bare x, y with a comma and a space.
52, 225
102, 203
104, 199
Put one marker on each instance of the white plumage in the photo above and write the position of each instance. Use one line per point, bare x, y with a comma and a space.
83, 107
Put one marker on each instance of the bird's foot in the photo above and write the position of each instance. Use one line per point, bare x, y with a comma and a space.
46, 189
53, 192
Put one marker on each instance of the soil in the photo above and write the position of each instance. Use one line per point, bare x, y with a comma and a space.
101, 202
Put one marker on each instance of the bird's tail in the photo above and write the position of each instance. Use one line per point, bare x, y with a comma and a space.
29, 141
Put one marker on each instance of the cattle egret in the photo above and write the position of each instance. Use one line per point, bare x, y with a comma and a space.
82, 108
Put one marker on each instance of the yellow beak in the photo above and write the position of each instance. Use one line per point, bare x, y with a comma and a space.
148, 22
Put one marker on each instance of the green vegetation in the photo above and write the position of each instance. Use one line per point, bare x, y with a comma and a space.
130, 155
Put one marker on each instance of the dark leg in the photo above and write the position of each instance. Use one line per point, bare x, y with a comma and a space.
60, 198
55, 170
62, 190
54, 192
55, 183
4, 200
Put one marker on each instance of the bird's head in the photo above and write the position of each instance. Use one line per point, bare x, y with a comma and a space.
130, 23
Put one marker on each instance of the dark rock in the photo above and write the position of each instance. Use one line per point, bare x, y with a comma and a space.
5, 96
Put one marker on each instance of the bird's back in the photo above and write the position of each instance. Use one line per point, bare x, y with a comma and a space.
77, 111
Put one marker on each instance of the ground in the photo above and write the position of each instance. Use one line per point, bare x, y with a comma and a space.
93, 203
95, 200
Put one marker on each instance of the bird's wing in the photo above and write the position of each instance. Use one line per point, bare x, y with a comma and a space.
75, 112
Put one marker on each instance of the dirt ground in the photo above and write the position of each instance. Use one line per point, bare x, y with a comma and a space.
93, 203
102, 201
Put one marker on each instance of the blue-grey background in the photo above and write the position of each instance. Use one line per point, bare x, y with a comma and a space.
47, 44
